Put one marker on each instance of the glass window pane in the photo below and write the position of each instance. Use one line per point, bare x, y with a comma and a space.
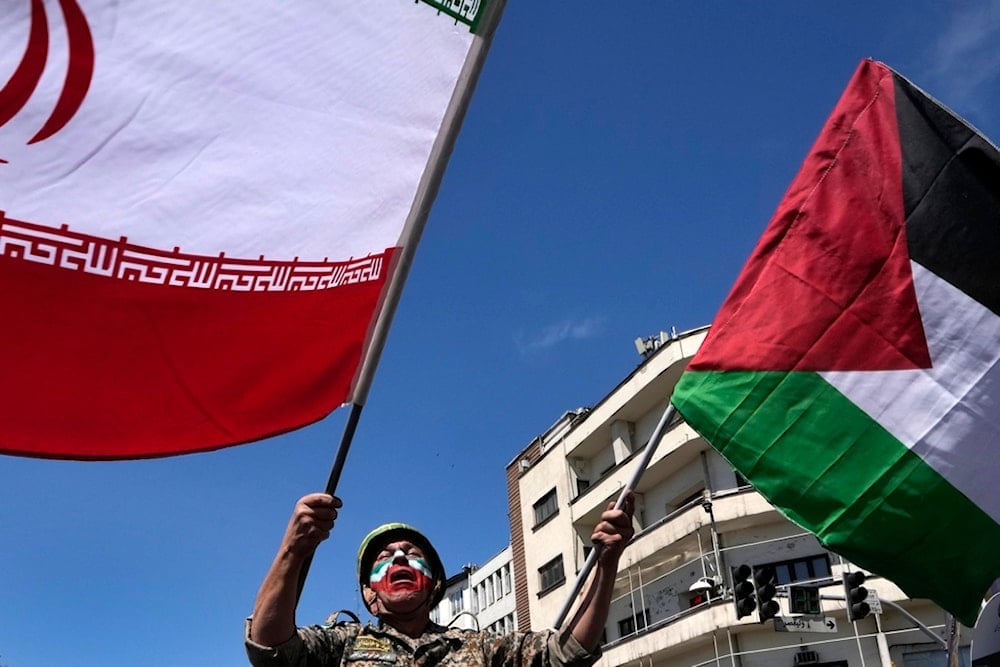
820, 566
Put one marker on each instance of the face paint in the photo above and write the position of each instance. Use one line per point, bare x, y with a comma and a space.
389, 575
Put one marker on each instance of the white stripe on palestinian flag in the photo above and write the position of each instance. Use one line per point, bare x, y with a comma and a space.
947, 414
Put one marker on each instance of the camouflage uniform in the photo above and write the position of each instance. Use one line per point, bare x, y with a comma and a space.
351, 645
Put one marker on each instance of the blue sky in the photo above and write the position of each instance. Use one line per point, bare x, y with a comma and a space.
615, 169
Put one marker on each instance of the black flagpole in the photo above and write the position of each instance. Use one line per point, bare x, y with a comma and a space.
331, 483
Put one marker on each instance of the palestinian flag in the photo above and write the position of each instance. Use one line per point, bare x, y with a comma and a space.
852, 374
207, 209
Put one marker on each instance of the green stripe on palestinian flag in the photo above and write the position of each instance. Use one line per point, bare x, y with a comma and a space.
853, 373
860, 499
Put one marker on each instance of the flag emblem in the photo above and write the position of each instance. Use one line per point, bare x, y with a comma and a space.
79, 70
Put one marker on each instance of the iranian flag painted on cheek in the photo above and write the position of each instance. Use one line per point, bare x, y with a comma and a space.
853, 373
418, 577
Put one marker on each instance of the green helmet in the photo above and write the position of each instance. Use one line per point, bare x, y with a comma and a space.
389, 532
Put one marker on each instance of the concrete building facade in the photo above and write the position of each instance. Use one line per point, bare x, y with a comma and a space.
696, 520
481, 597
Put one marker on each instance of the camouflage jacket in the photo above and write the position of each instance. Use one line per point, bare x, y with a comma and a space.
353, 645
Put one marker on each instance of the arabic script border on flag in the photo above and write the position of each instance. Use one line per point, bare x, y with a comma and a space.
120, 259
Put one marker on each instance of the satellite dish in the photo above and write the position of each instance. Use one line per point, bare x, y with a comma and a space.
703, 585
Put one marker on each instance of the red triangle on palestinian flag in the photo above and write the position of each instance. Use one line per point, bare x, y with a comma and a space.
829, 285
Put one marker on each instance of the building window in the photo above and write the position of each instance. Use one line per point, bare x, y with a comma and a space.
582, 485
936, 658
683, 501
505, 576
489, 591
630, 625
696, 493
800, 569
551, 575
456, 602
546, 508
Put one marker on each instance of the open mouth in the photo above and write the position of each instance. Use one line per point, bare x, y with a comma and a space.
402, 574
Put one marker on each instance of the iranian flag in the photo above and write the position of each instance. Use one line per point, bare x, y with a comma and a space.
852, 374
206, 209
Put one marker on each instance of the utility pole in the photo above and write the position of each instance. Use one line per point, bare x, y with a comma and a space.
954, 632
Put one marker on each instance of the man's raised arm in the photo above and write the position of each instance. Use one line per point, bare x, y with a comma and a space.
612, 534
274, 609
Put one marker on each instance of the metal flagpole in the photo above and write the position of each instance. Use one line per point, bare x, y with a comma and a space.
654, 440
331, 482
427, 190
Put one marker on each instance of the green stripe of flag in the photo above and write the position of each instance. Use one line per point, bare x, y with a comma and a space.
833, 470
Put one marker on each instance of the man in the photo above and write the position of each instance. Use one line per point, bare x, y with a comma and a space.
402, 579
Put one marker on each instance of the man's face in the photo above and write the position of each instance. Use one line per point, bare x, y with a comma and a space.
401, 577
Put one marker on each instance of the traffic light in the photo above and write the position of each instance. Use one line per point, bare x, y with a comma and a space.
765, 579
743, 591
855, 595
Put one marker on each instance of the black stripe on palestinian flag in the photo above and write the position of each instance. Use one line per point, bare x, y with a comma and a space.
888, 461
951, 193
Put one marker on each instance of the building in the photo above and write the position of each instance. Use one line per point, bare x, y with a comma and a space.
696, 520
493, 594
481, 597
455, 608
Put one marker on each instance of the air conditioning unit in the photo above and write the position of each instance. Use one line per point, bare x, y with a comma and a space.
806, 658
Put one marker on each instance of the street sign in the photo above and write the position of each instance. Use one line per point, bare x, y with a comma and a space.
805, 624
873, 602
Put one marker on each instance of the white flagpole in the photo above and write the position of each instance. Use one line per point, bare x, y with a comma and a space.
640, 468
427, 190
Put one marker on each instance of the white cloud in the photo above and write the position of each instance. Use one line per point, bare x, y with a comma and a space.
560, 332
965, 60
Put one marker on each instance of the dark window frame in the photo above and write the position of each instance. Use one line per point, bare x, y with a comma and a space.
546, 507
630, 625
551, 575
805, 568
